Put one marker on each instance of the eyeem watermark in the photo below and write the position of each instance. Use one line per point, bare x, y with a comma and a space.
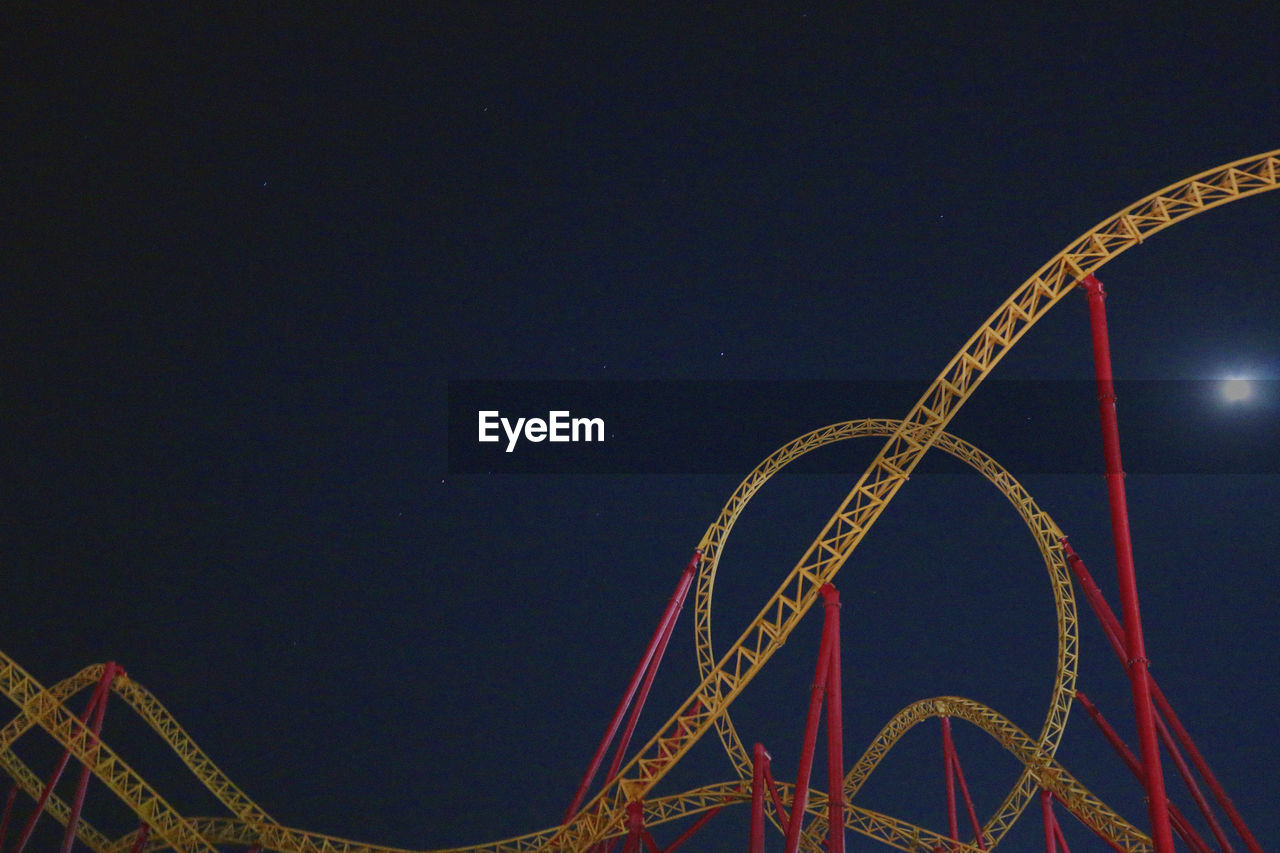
558, 426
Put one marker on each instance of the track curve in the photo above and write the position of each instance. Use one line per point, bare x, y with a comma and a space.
1043, 529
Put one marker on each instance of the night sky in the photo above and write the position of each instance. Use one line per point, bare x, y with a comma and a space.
246, 254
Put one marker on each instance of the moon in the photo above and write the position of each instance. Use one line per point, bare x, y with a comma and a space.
1236, 390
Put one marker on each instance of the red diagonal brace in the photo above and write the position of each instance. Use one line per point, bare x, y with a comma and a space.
693, 830
956, 773
99, 696
140, 841
82, 786
1111, 627
657, 646
1176, 818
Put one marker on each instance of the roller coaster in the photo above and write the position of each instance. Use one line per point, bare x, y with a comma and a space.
623, 809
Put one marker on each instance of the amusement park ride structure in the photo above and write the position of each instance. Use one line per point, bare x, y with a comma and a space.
620, 812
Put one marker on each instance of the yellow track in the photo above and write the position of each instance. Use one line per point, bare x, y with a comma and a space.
723, 679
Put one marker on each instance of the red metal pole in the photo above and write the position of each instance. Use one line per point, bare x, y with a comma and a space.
82, 786
30, 825
8, 810
693, 830
1185, 772
670, 617
835, 728
144, 832
1144, 712
968, 801
830, 640
1177, 818
635, 826
948, 756
1050, 822
1203, 766
777, 800
673, 607
1057, 833
1111, 626
759, 762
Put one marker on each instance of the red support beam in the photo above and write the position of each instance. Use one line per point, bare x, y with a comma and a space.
1176, 818
979, 838
835, 727
635, 826
948, 756
1220, 795
82, 785
693, 830
830, 641
759, 766
1185, 772
1111, 627
8, 811
953, 773
97, 697
668, 626
1050, 822
777, 800
674, 604
144, 832
1057, 833
1137, 664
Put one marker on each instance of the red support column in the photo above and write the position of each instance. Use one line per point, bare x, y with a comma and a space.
99, 695
693, 830
144, 832
948, 757
1153, 779
1111, 627
1203, 767
835, 727
759, 764
674, 605
1057, 833
953, 773
1176, 818
1050, 822
830, 641
82, 786
1185, 772
8, 811
635, 826
776, 799
670, 617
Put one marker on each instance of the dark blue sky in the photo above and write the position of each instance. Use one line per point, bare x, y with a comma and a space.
247, 253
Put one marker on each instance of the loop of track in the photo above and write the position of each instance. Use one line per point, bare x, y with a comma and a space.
1045, 532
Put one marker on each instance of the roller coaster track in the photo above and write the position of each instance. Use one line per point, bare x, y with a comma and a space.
723, 679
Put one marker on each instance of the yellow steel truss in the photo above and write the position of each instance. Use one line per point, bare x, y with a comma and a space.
724, 678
